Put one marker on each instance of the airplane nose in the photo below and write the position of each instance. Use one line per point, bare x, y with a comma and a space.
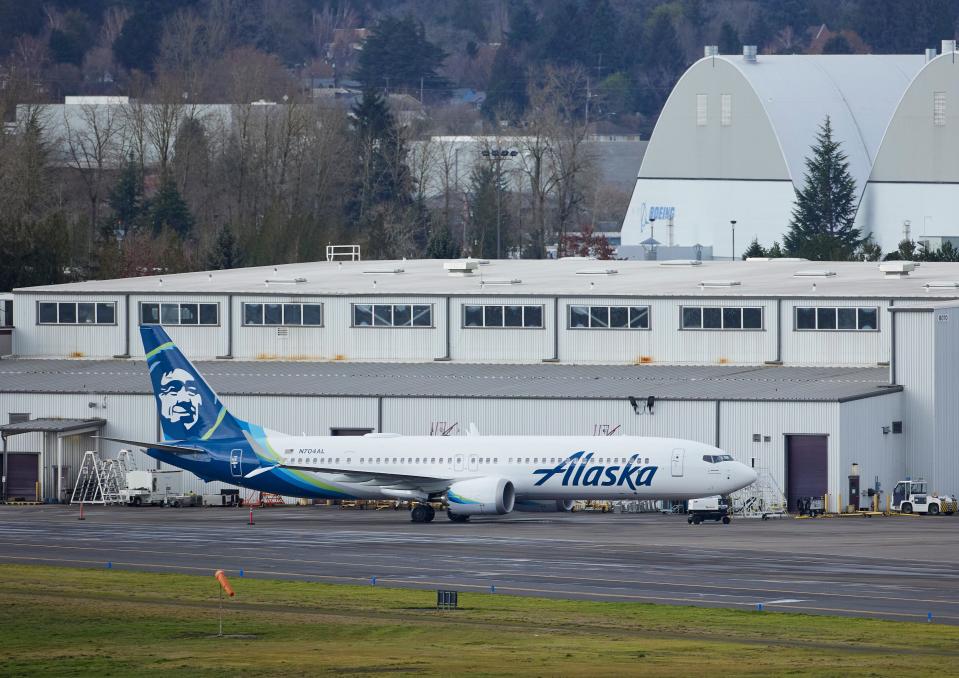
749, 475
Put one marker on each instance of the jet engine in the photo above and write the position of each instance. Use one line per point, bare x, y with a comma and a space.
544, 505
481, 496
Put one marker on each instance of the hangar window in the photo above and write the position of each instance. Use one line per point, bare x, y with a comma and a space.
392, 315
726, 110
939, 109
831, 318
283, 314
721, 318
179, 314
76, 313
609, 317
508, 316
702, 110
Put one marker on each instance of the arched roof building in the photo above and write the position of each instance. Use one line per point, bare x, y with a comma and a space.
913, 189
734, 135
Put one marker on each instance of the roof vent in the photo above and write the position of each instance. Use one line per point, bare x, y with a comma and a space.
942, 285
720, 283
711, 50
462, 268
285, 281
814, 273
749, 53
597, 271
681, 262
385, 271
930, 54
948, 46
897, 269
514, 281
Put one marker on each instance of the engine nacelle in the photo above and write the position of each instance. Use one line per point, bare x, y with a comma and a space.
481, 496
544, 505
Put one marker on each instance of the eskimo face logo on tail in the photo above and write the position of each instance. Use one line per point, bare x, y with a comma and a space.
180, 399
577, 471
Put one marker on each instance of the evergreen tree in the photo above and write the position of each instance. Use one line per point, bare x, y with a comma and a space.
224, 252
822, 221
169, 210
523, 25
126, 200
487, 207
837, 44
729, 42
398, 55
506, 89
441, 244
775, 251
755, 250
382, 175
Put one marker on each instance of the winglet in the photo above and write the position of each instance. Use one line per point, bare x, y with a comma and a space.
472, 430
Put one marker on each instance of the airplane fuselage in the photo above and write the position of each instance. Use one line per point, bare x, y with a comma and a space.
539, 467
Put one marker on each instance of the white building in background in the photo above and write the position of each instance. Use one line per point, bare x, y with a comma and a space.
733, 137
795, 368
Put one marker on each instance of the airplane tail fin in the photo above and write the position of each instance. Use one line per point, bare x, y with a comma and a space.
189, 409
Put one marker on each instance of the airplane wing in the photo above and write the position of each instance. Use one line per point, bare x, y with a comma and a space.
396, 481
166, 447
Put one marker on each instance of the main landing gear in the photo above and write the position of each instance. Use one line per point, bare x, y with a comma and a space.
456, 518
422, 513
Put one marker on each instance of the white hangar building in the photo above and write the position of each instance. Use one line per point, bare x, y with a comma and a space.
733, 137
797, 370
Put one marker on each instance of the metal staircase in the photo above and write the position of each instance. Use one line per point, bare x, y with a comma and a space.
99, 480
763, 499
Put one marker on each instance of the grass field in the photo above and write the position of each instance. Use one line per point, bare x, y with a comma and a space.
71, 622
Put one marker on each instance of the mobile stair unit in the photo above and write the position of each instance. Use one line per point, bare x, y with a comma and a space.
99, 480
763, 499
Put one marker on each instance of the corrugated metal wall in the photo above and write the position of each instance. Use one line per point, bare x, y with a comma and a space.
915, 370
481, 344
863, 442
834, 347
941, 463
67, 341
853, 440
664, 342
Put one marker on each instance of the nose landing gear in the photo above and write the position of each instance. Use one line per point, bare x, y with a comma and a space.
422, 513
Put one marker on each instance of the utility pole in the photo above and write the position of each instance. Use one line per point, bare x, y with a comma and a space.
732, 222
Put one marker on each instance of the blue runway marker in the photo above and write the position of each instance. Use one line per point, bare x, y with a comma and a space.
241, 573
929, 617
759, 606
372, 581
109, 565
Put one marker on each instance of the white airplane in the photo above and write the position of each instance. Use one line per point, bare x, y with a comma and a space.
474, 475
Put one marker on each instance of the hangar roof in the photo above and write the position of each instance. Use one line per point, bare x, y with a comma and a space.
526, 277
454, 380
859, 92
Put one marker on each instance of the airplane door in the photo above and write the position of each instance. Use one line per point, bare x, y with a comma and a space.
474, 463
236, 463
678, 459
458, 462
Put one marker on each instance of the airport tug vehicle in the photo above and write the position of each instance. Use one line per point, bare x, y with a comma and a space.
714, 508
912, 496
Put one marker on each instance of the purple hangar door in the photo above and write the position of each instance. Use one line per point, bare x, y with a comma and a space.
807, 467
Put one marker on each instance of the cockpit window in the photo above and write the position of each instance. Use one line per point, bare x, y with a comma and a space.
716, 458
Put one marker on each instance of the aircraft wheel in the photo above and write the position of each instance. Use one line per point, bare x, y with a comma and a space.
419, 514
456, 518
430, 513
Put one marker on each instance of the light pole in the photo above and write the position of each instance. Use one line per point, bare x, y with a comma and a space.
652, 227
732, 222
498, 154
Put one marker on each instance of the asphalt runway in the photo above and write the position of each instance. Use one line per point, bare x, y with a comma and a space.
895, 568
